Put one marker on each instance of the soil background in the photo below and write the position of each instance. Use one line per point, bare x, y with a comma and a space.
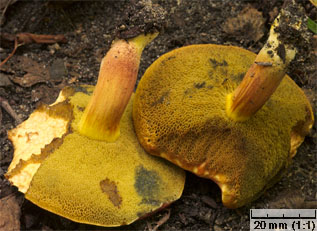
88, 27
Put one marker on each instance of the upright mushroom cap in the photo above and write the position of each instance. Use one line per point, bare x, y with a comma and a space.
86, 180
179, 113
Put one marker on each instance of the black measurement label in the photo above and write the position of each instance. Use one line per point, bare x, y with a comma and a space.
283, 219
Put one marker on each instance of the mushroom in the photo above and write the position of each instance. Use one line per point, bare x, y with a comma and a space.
80, 158
183, 111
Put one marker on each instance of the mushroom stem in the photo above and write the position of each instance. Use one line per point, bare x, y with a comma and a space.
116, 81
268, 69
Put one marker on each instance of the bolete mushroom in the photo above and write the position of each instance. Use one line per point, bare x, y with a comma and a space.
183, 111
80, 158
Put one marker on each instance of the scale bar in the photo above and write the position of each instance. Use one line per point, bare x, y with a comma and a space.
283, 219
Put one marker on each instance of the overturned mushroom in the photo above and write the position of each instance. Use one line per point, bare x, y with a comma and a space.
80, 157
181, 113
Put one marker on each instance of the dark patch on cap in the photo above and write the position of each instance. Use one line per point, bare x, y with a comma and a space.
224, 81
281, 52
110, 188
237, 78
147, 185
80, 108
172, 57
224, 71
187, 91
168, 59
210, 74
215, 63
161, 99
270, 53
240, 76
199, 85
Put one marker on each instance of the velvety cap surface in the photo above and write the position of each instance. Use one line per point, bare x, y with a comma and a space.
179, 113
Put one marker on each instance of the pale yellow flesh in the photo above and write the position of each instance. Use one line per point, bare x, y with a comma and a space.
28, 140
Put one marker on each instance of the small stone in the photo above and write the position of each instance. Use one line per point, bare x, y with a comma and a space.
53, 48
106, 36
56, 46
23, 107
217, 228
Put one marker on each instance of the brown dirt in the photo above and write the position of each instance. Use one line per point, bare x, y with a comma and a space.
88, 27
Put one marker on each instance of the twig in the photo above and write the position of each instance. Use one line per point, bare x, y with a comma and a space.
27, 38
6, 106
161, 221
12, 53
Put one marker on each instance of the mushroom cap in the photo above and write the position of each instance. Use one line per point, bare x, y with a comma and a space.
179, 113
85, 180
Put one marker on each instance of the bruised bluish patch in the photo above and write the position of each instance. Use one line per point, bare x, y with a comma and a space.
147, 185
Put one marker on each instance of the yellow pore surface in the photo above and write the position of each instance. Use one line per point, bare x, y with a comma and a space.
107, 184
179, 113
